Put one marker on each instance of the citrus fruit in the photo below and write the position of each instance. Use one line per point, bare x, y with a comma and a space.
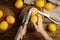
10, 19
48, 6
34, 18
4, 25
19, 4
34, 10
39, 4
52, 27
1, 13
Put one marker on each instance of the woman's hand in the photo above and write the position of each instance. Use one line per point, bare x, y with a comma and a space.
21, 32
39, 27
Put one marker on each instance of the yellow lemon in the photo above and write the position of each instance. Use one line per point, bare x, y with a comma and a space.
52, 27
34, 10
34, 13
34, 18
10, 19
19, 4
48, 6
1, 13
4, 25
39, 4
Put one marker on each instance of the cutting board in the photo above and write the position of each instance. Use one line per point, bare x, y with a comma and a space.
55, 1
55, 13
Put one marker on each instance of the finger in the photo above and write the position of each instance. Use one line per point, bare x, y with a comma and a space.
34, 24
25, 26
39, 19
32, 21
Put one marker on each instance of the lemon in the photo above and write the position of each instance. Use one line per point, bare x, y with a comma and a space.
10, 19
34, 18
52, 27
34, 10
1, 13
4, 25
19, 4
39, 4
48, 6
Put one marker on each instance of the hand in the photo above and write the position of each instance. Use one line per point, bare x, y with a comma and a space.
39, 27
21, 31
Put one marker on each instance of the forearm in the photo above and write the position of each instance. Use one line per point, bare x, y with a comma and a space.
18, 36
45, 35
21, 32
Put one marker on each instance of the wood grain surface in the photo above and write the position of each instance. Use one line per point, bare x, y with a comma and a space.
31, 33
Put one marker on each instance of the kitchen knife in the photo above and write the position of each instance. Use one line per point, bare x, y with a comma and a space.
48, 16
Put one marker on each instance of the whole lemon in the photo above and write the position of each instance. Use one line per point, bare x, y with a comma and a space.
34, 10
19, 4
1, 13
48, 6
34, 18
52, 27
10, 19
4, 25
39, 4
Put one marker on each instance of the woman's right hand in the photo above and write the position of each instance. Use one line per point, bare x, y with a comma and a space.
39, 27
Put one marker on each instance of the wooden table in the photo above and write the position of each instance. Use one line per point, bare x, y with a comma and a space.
37, 36
31, 34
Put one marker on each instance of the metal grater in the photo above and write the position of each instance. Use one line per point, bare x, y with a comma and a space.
27, 16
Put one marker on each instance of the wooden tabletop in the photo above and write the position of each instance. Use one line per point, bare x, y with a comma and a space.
37, 36
31, 34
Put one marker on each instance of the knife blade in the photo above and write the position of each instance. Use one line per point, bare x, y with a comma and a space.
44, 14
50, 17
